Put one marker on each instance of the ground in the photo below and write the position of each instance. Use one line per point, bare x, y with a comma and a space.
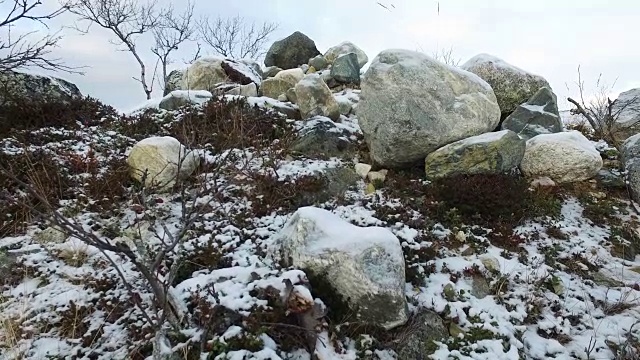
515, 273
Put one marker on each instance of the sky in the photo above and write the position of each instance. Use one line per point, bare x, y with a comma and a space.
546, 37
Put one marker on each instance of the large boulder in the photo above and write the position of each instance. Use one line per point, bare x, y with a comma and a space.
346, 48
345, 69
537, 116
512, 85
160, 161
631, 160
20, 84
627, 106
322, 138
563, 157
411, 105
208, 72
490, 153
318, 63
291, 52
315, 98
204, 74
363, 265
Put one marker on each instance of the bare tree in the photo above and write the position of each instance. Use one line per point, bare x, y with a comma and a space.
173, 30
446, 56
127, 20
602, 113
17, 50
235, 37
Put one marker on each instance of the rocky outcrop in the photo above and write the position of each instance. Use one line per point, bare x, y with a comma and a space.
291, 52
490, 153
21, 84
207, 73
511, 85
411, 105
363, 265
563, 157
537, 116
160, 161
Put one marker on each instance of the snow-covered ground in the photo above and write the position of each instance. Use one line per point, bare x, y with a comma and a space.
563, 293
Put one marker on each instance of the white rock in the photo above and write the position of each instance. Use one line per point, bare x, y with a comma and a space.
362, 169
204, 74
315, 98
563, 157
292, 76
164, 159
377, 176
490, 263
365, 265
244, 90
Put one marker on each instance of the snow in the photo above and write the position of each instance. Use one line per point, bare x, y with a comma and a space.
194, 96
496, 62
538, 109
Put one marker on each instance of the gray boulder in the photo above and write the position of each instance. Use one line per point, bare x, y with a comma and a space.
291, 52
250, 89
173, 81
628, 106
318, 62
346, 48
511, 85
242, 72
21, 84
631, 161
179, 98
345, 69
490, 153
537, 116
411, 105
315, 98
322, 138
363, 265
563, 157
423, 330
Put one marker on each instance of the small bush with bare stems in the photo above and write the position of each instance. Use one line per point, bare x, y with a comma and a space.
602, 113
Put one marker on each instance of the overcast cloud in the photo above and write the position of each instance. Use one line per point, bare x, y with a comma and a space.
549, 38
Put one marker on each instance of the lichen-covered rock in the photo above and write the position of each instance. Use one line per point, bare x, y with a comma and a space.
274, 87
291, 52
411, 104
490, 153
345, 69
160, 161
631, 160
315, 98
364, 265
426, 328
537, 116
36, 87
173, 81
512, 85
345, 48
563, 157
250, 89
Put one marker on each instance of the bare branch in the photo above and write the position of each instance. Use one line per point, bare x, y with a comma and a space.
235, 37
22, 50
173, 30
126, 19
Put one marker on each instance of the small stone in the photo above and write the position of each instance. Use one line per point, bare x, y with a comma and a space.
461, 236
449, 292
480, 287
490, 263
371, 189
318, 62
558, 286
283, 97
311, 70
362, 169
543, 181
377, 176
